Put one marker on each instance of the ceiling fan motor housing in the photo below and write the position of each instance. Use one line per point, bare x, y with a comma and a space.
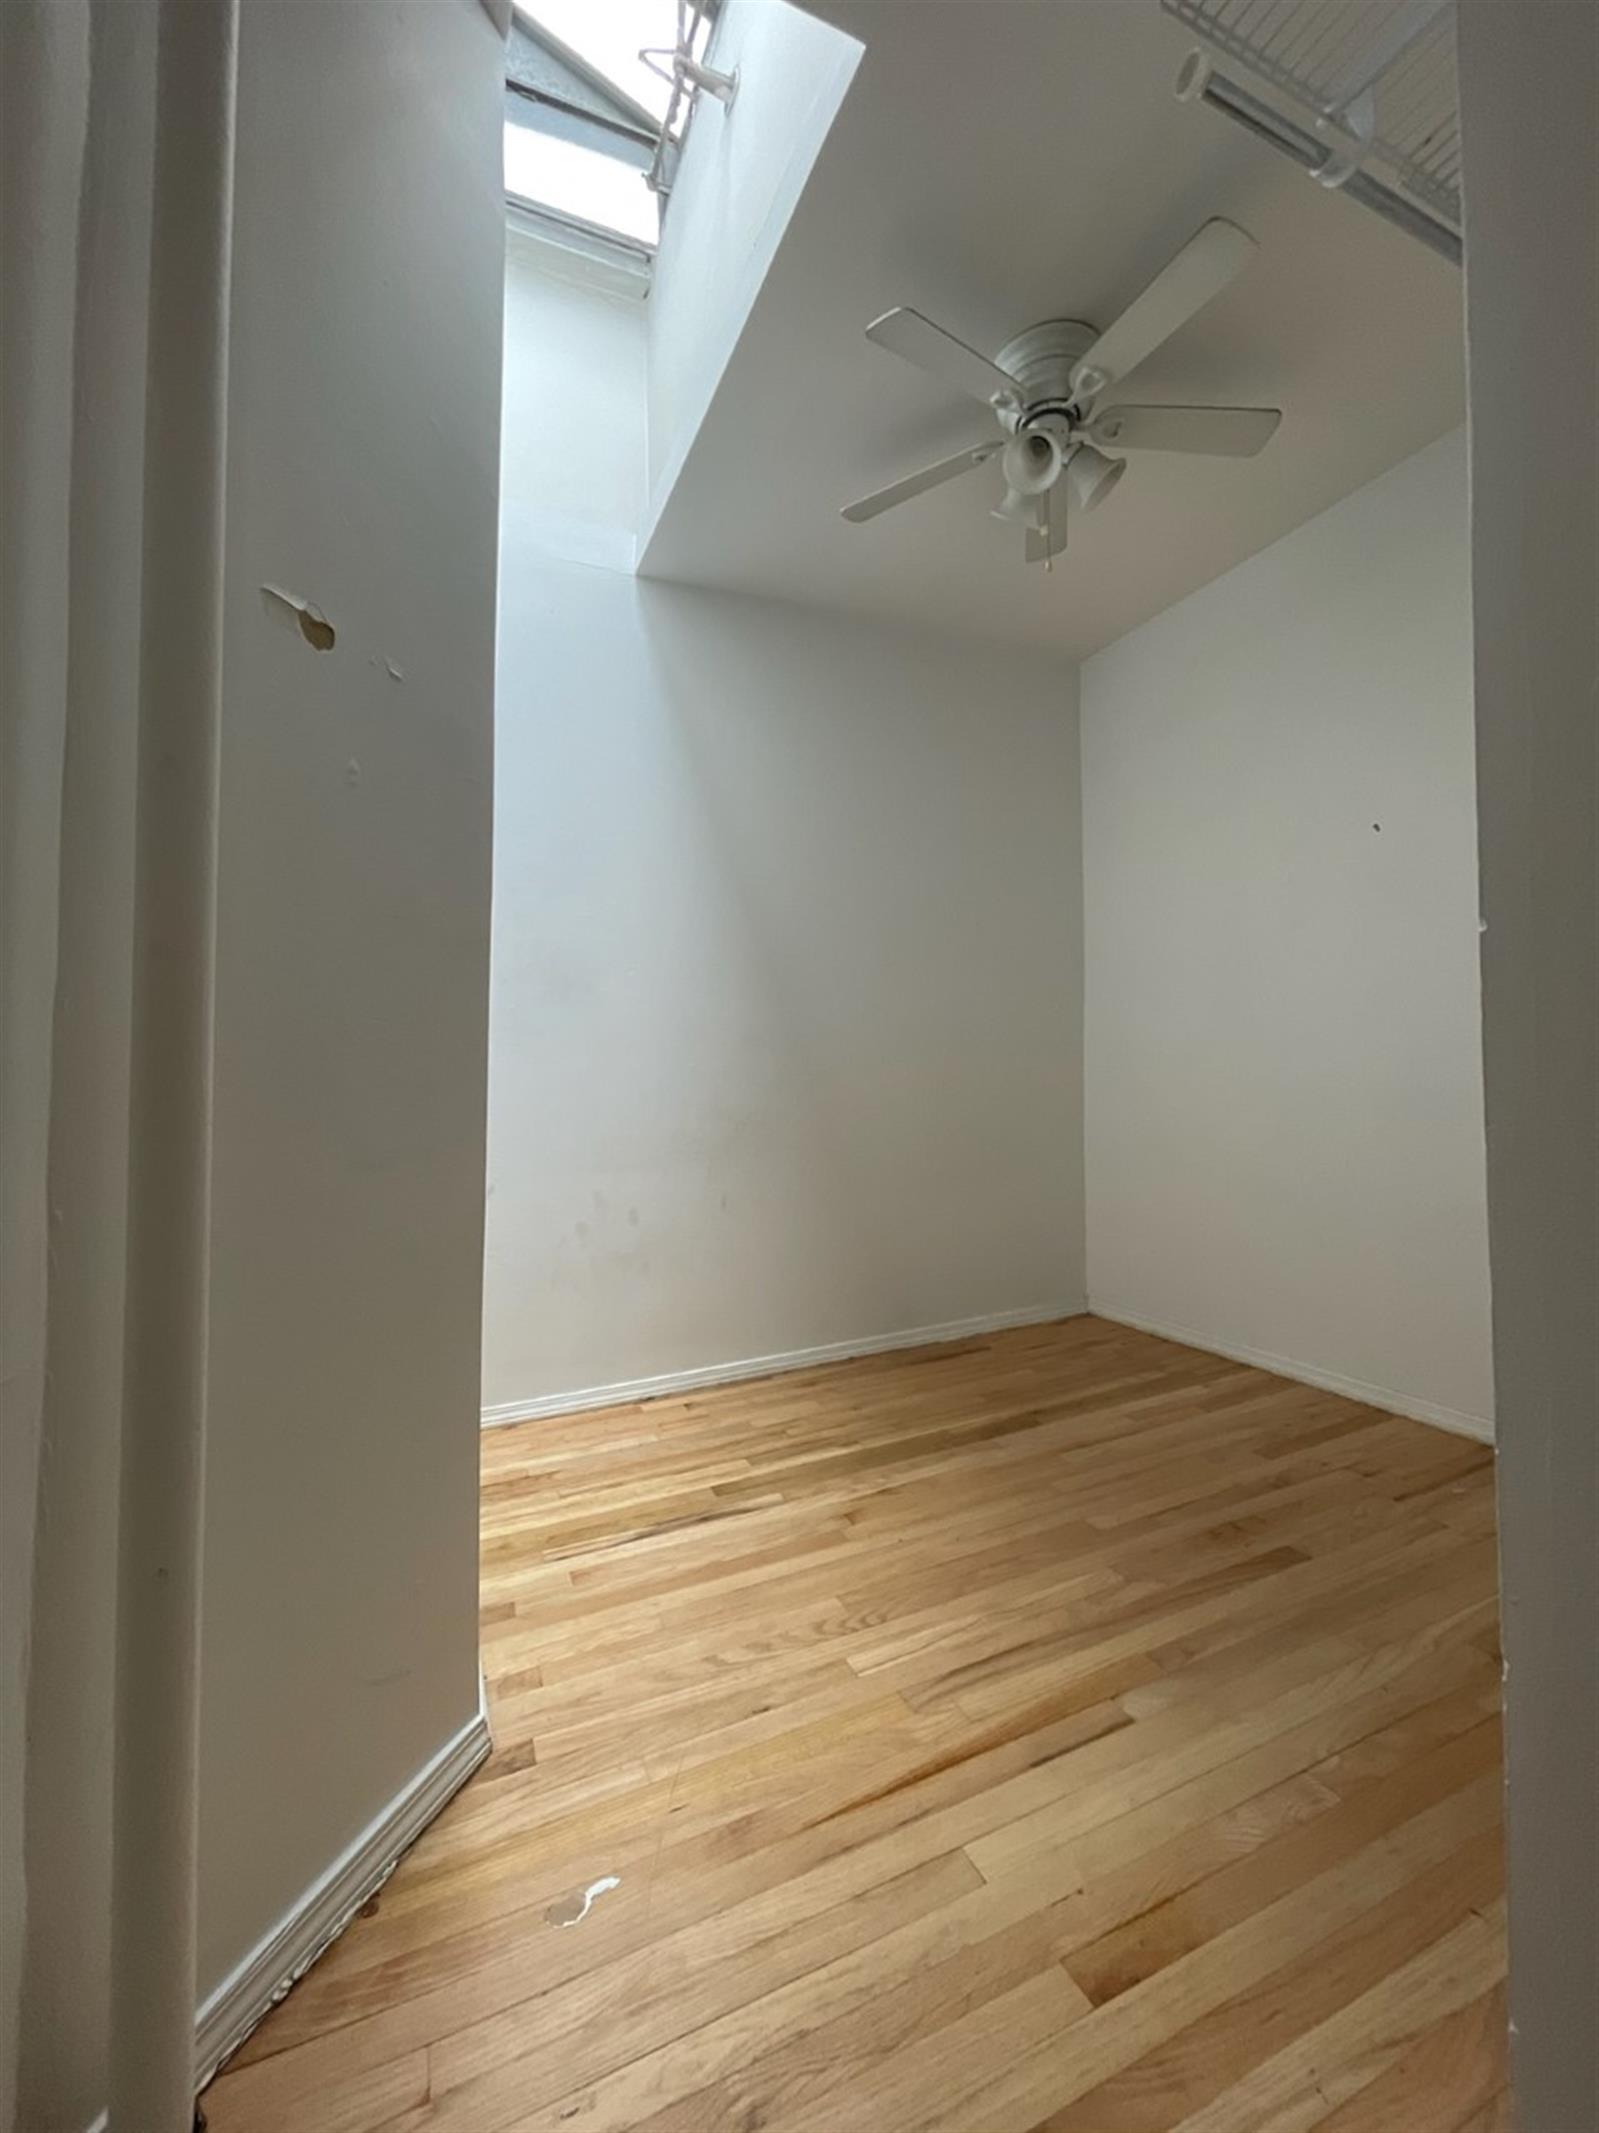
1041, 360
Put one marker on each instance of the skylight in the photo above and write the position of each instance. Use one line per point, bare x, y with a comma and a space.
584, 115
582, 185
609, 36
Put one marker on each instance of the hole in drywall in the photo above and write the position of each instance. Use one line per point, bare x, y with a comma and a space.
314, 626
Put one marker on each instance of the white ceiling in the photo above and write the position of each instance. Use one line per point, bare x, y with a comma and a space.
997, 162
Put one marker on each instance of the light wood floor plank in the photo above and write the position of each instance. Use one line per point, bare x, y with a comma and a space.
1062, 1729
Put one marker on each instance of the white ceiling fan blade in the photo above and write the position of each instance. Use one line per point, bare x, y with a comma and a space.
1047, 537
907, 334
899, 492
1201, 270
1225, 432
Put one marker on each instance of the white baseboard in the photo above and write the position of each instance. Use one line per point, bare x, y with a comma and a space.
765, 1366
242, 1999
1398, 1403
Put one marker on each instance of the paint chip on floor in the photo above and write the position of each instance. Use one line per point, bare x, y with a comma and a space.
572, 1910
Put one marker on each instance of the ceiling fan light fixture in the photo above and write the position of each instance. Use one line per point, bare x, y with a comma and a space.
1090, 476
1030, 464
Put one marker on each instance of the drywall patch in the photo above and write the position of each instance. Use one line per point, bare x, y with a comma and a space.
312, 624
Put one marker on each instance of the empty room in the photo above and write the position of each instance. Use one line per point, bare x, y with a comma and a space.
800, 1046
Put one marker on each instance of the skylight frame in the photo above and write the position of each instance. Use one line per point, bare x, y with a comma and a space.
644, 143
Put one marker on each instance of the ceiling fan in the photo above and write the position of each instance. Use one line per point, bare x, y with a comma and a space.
1056, 442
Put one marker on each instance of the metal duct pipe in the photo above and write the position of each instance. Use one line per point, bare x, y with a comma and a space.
1197, 83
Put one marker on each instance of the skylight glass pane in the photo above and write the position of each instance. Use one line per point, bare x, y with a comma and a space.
609, 34
572, 180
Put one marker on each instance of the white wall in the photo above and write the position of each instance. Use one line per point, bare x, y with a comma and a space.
340, 1574
572, 452
341, 1541
1284, 1097
44, 79
785, 1029
743, 167
1529, 95
83, 1031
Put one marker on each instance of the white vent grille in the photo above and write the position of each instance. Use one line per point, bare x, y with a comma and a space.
1323, 54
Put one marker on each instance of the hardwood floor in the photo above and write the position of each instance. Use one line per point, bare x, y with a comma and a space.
1061, 1730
